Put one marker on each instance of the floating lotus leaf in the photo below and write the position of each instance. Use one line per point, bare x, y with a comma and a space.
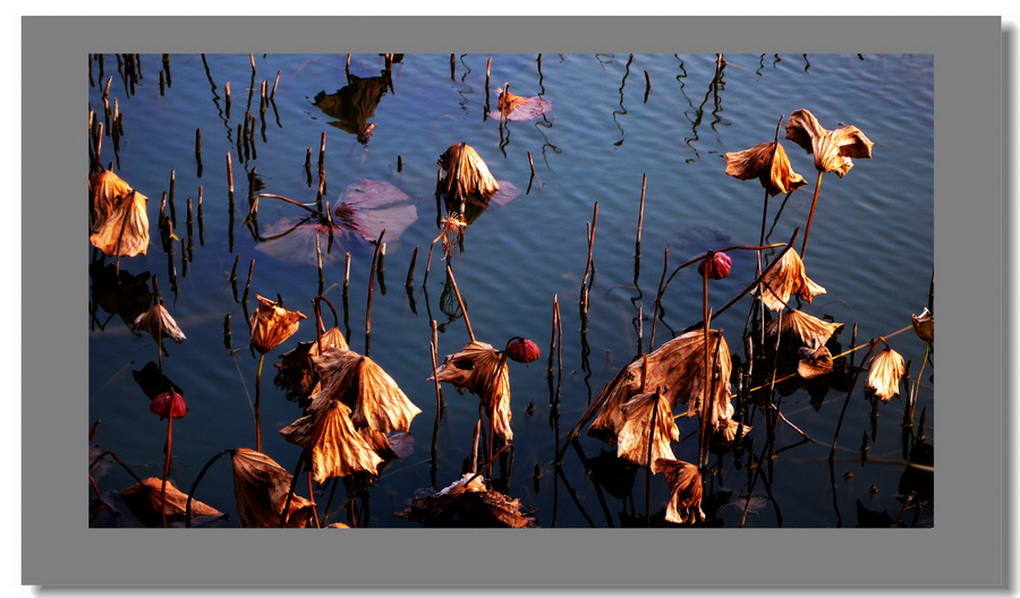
125, 230
519, 108
483, 370
468, 503
884, 372
158, 322
261, 488
632, 433
832, 149
145, 501
684, 481
271, 324
810, 330
769, 164
786, 279
362, 211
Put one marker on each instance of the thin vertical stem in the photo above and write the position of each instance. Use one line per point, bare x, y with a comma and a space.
460, 300
811, 216
258, 404
166, 461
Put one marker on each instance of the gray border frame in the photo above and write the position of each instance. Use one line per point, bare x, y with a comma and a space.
967, 548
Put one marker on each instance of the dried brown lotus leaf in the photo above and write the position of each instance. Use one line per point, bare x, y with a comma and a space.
381, 404
467, 176
483, 370
468, 503
832, 149
336, 448
632, 434
729, 428
158, 322
513, 107
884, 372
125, 231
677, 370
924, 325
328, 341
684, 481
810, 330
271, 324
261, 488
768, 163
145, 500
785, 279
106, 191
816, 362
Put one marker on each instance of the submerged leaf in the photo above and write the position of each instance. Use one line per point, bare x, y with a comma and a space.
519, 108
884, 372
769, 164
468, 503
261, 488
832, 148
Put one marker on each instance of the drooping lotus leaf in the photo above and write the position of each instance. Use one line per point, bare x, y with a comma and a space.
635, 422
786, 279
814, 362
483, 370
145, 501
106, 192
335, 447
810, 330
158, 322
125, 231
884, 372
832, 149
271, 324
261, 487
684, 481
768, 163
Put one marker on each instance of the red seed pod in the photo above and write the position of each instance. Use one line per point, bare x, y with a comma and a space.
522, 350
169, 404
718, 266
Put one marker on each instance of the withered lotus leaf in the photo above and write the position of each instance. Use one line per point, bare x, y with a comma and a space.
814, 362
884, 372
158, 322
106, 191
768, 163
296, 370
632, 433
833, 149
467, 176
684, 481
125, 230
786, 279
261, 487
729, 428
483, 370
468, 503
145, 501
360, 383
271, 324
677, 370
336, 447
810, 330
513, 107
924, 325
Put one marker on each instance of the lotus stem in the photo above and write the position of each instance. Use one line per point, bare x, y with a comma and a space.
166, 464
371, 288
311, 493
460, 300
258, 406
811, 215
846, 401
194, 485
119, 462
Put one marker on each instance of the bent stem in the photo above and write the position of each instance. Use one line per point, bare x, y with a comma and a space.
811, 215
194, 485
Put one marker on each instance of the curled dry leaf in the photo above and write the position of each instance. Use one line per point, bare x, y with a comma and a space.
728, 429
768, 163
814, 362
106, 192
468, 503
513, 107
684, 481
333, 445
884, 372
677, 371
145, 501
924, 325
467, 177
261, 487
158, 322
125, 230
483, 370
632, 433
360, 383
296, 370
833, 149
271, 324
810, 330
786, 279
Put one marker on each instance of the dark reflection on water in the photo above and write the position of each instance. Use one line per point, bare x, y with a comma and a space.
261, 135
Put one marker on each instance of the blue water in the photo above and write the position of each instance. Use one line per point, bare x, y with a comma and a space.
871, 247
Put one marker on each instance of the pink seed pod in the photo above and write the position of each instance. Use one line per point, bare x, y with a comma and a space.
169, 404
718, 266
522, 350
